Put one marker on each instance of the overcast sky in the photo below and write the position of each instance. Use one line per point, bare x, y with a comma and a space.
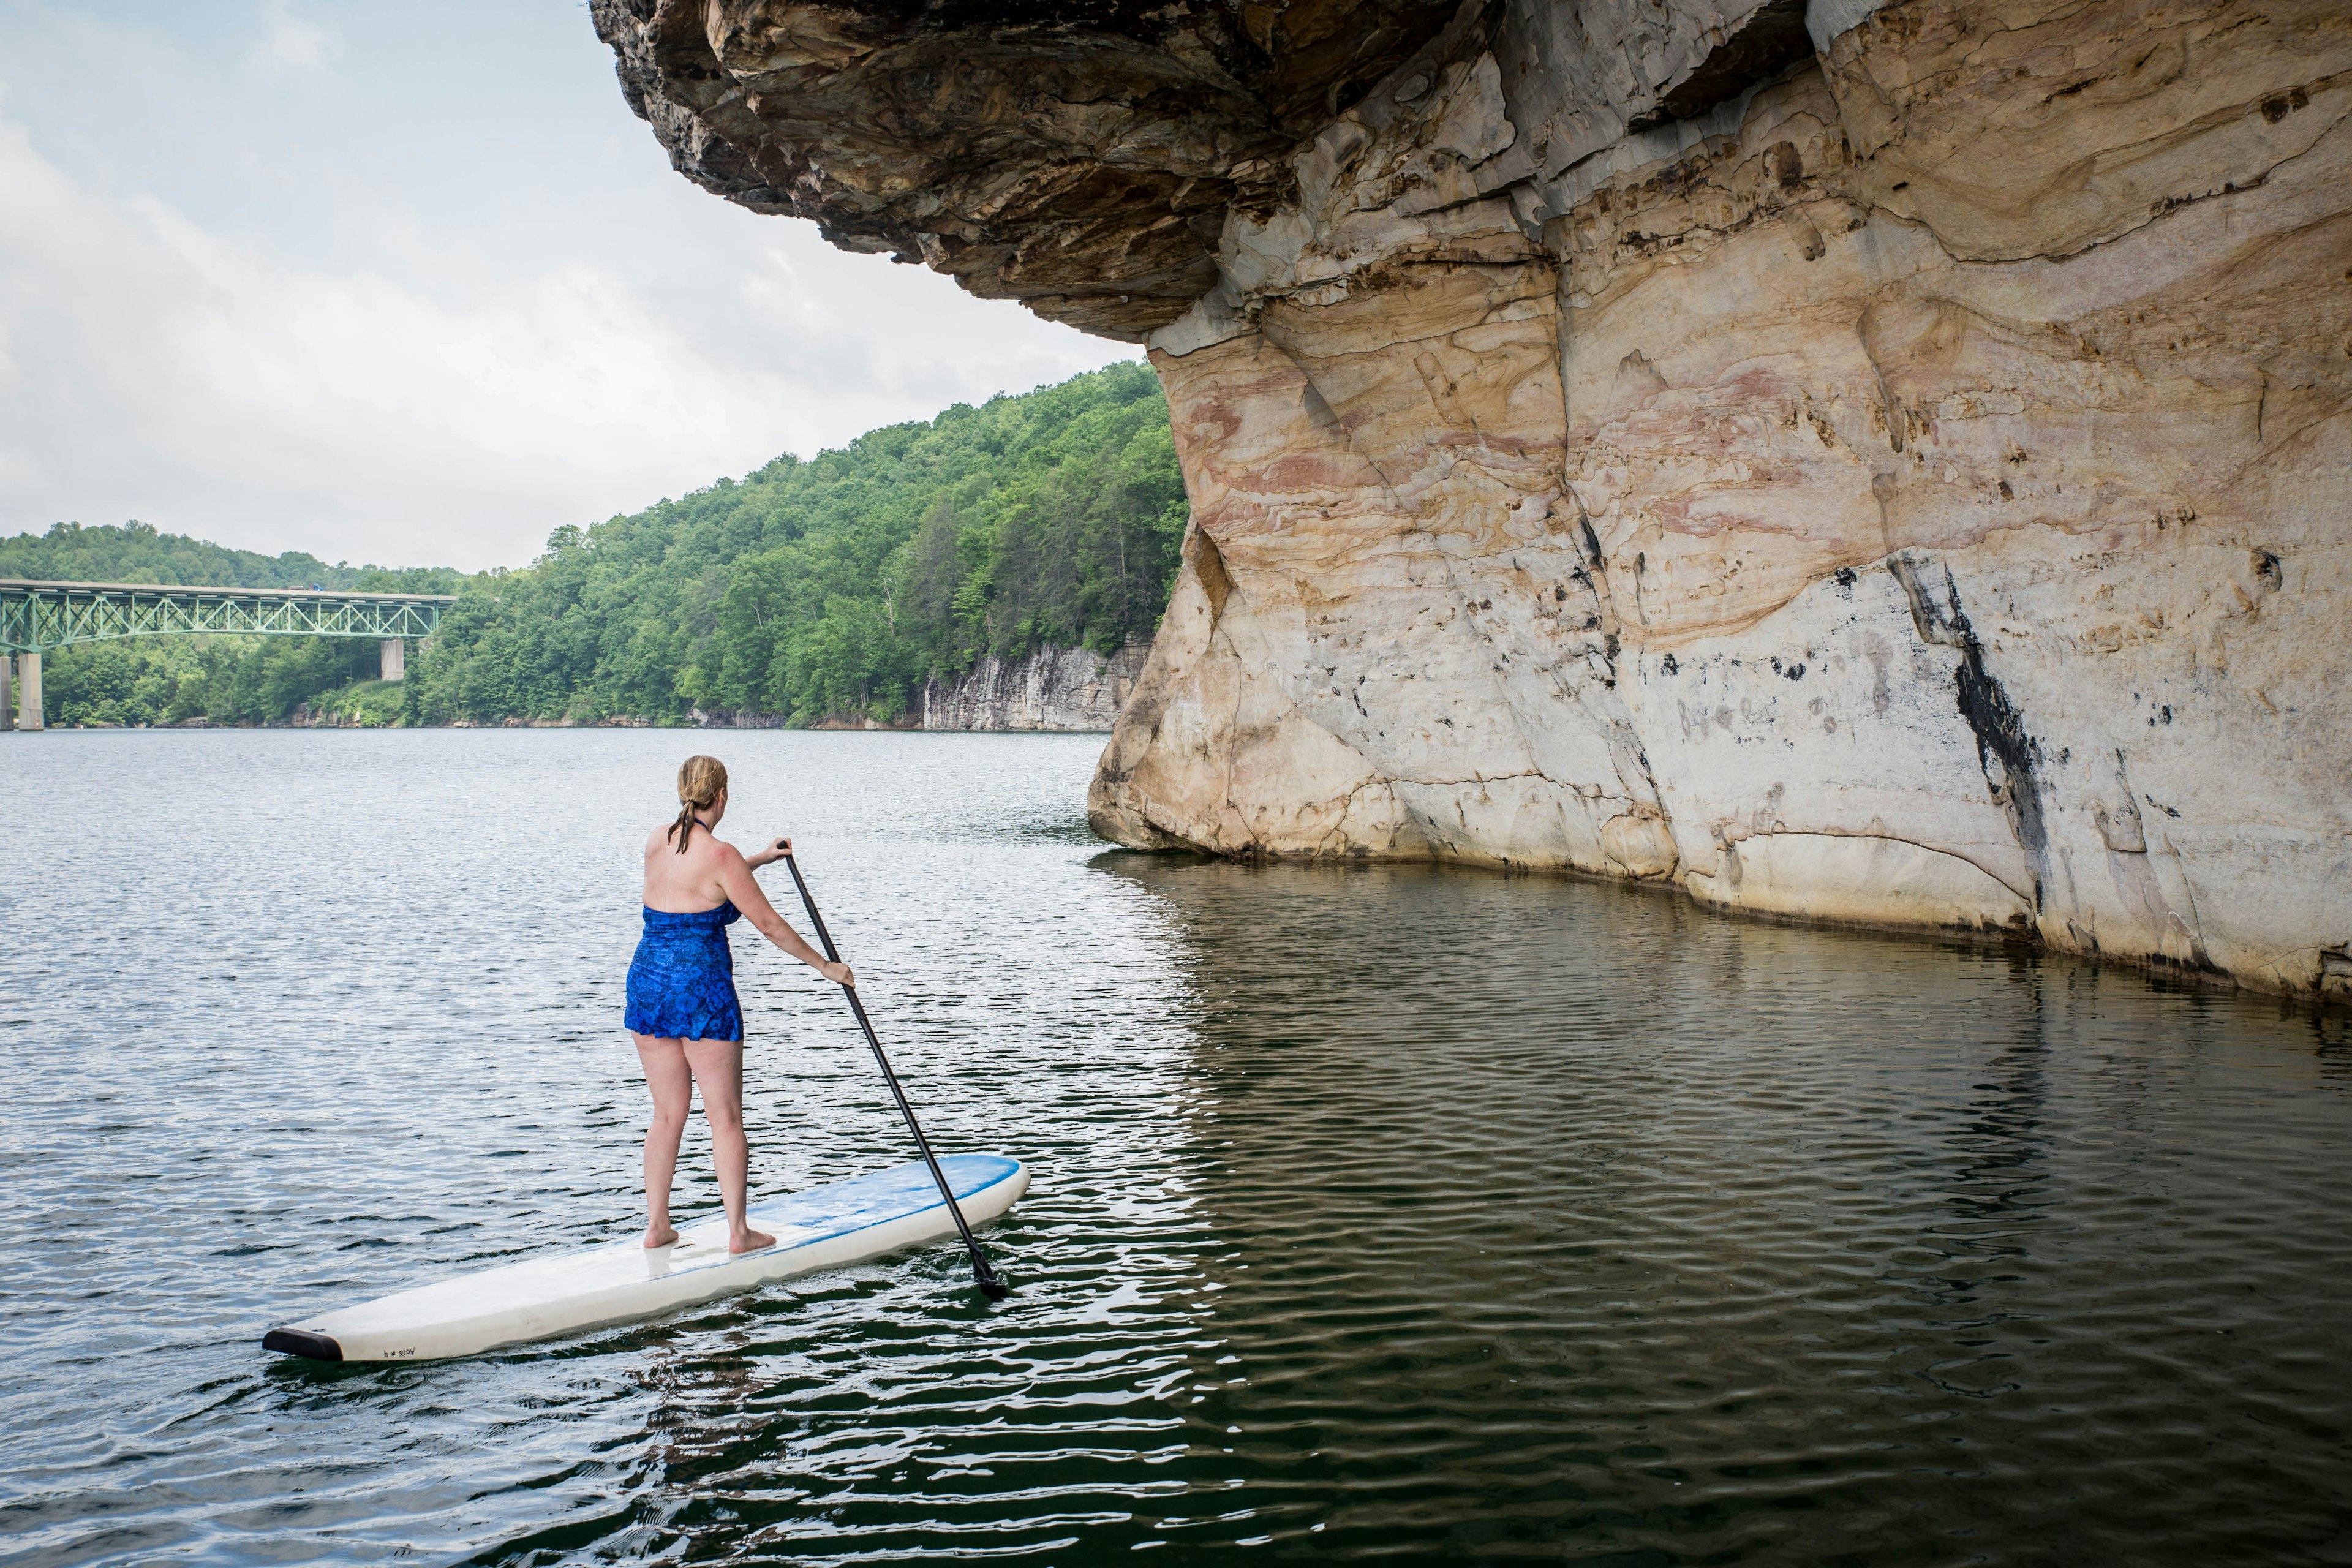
404, 281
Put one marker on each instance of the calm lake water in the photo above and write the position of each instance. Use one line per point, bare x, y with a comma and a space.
1381, 1214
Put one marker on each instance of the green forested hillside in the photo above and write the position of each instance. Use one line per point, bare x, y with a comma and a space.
228, 680
831, 586
135, 552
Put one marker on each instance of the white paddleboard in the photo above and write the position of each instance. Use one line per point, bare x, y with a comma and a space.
540, 1298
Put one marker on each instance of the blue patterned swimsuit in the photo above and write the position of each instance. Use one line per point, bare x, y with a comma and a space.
682, 981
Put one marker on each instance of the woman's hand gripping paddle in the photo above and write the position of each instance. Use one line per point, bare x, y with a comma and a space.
986, 1278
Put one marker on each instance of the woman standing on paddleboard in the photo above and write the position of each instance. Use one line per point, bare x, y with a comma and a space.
683, 1011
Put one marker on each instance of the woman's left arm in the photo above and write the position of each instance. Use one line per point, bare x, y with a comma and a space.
736, 882
768, 855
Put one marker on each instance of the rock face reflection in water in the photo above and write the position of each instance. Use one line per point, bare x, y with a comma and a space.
1640, 1231
1386, 1213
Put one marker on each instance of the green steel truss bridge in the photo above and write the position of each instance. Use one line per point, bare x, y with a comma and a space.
37, 617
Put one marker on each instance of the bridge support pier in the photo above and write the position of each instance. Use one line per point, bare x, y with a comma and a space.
392, 659
7, 690
28, 691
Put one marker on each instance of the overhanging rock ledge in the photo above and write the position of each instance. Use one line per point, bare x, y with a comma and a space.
1884, 464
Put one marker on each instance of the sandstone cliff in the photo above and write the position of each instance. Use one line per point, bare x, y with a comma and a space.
1885, 464
1053, 688
1050, 689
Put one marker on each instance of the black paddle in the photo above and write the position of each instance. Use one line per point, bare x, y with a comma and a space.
983, 1275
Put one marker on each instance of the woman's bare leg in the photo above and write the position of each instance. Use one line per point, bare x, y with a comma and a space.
717, 1067
672, 1084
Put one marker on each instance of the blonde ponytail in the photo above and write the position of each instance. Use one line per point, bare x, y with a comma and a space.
698, 784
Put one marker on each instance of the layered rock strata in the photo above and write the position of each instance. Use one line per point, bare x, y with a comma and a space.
1081, 158
1052, 689
1885, 464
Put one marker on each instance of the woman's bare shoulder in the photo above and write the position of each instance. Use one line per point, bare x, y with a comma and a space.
705, 850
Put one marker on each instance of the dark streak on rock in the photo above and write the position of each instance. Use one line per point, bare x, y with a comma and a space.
1319, 412
1591, 540
1998, 727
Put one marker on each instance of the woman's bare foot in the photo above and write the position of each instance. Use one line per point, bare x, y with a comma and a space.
660, 1235
750, 1241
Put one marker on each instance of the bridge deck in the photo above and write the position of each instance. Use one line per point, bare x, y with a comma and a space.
215, 590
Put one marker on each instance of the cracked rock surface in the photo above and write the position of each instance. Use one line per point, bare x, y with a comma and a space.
1080, 158
1886, 464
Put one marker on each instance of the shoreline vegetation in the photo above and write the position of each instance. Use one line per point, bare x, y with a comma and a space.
823, 593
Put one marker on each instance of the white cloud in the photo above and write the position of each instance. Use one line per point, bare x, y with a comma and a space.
288, 42
197, 378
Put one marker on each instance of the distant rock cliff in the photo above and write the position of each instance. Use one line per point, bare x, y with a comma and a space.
1888, 464
1050, 688
1053, 688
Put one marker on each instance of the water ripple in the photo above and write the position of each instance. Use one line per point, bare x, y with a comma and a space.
1381, 1214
